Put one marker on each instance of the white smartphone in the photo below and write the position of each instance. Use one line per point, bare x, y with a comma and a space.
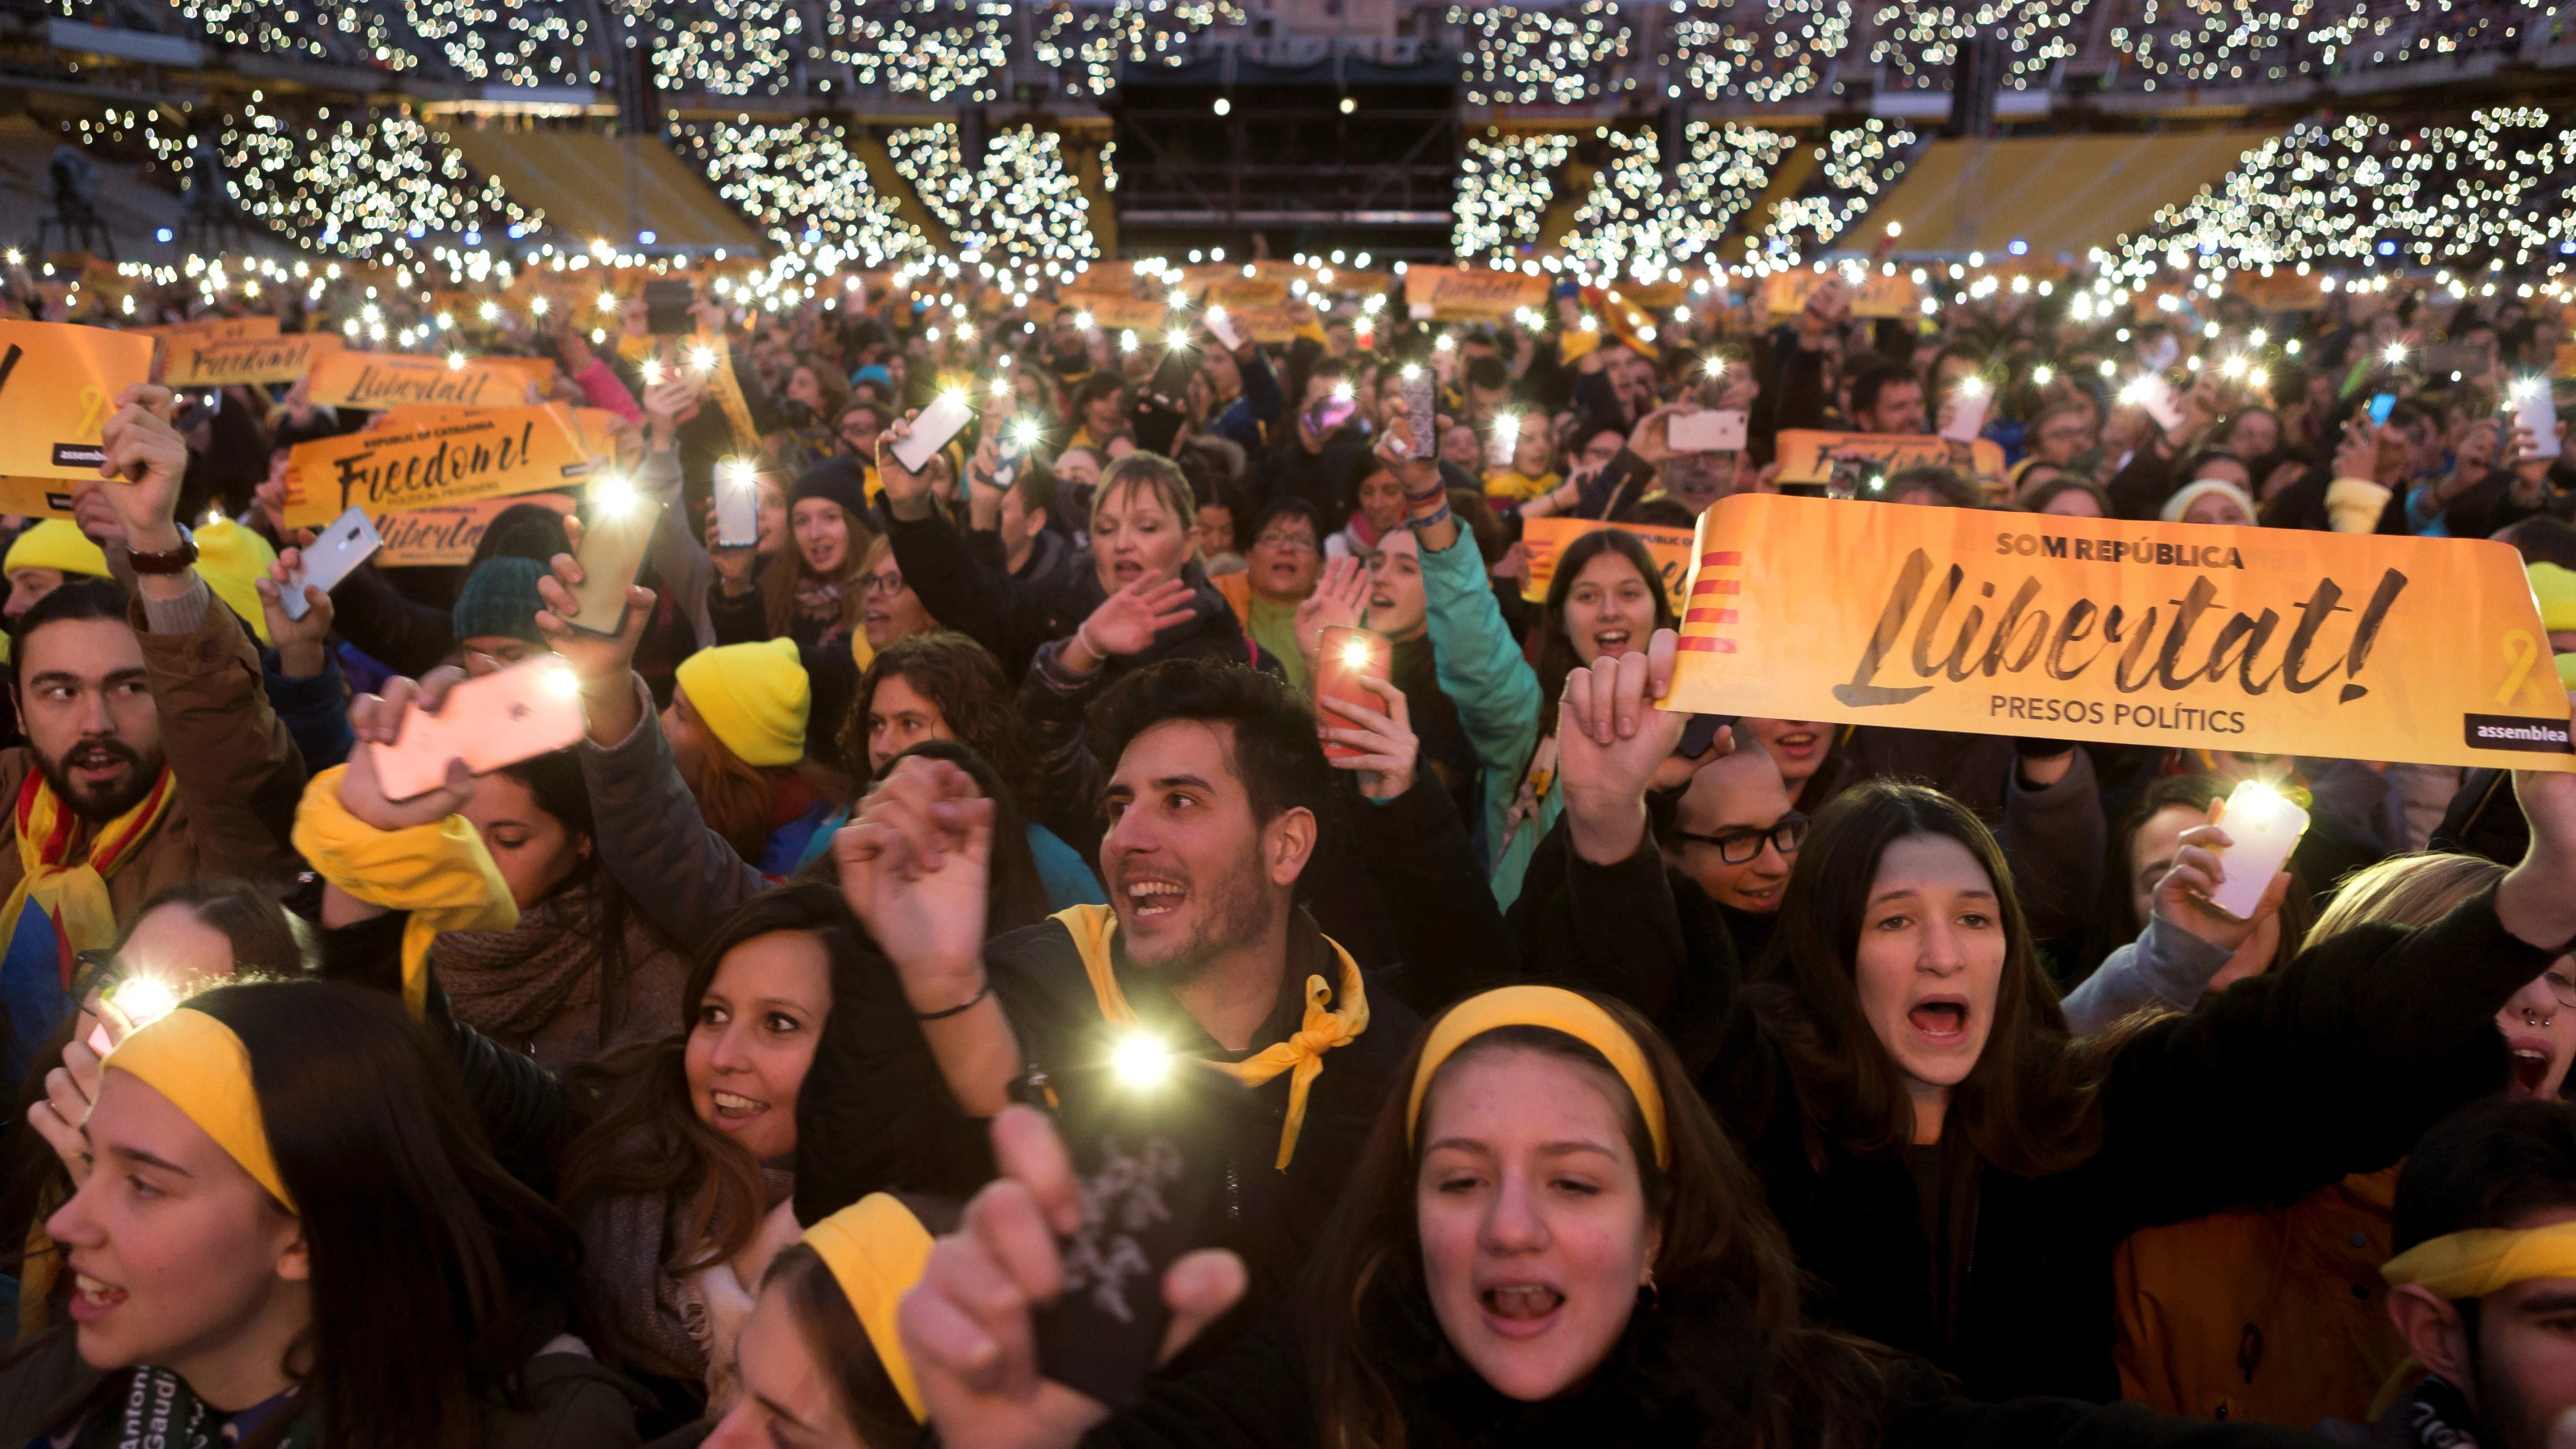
1710, 430
947, 415
2155, 395
529, 709
1503, 442
1968, 403
335, 552
2535, 409
1223, 329
2265, 827
737, 504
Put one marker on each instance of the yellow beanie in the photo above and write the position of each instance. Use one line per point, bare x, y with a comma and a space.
56, 543
2553, 586
754, 697
231, 558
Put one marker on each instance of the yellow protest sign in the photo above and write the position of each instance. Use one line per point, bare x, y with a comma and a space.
2284, 291
2268, 641
379, 380
1461, 294
36, 497
216, 329
448, 533
1547, 539
58, 387
1785, 294
1123, 314
1809, 456
1246, 292
486, 454
1271, 326
201, 361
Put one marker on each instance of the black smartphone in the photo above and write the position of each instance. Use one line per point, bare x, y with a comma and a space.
666, 308
1149, 1135
1701, 733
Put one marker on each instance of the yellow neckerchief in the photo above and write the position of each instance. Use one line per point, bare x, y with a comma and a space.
439, 872
1094, 928
74, 895
2480, 1261
1515, 486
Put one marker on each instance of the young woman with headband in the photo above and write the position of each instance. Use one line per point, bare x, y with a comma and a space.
293, 1234
1548, 1240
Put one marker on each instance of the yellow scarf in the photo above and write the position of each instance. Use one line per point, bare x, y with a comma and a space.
1094, 927
73, 895
440, 873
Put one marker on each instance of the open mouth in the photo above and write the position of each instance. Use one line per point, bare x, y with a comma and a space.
1147, 899
93, 1298
1796, 742
1613, 642
1520, 1309
1944, 1019
733, 1109
2531, 1059
95, 763
1381, 601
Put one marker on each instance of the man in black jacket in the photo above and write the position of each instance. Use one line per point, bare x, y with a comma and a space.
1214, 806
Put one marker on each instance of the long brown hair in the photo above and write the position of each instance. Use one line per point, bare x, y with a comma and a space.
1712, 1219
778, 577
1556, 656
735, 796
643, 1136
2026, 1106
960, 678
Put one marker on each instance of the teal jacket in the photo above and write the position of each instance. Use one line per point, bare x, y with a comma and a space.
1496, 692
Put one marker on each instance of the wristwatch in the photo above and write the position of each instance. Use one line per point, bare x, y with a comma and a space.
170, 561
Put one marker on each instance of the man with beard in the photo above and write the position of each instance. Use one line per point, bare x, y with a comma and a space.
1204, 951
2483, 1286
152, 755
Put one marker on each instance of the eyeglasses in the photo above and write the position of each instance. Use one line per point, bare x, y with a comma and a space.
888, 584
1736, 847
1292, 542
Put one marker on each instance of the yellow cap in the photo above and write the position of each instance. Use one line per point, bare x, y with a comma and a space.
876, 1250
2553, 586
231, 559
56, 543
754, 697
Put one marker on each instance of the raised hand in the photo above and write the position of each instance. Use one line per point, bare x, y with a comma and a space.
1127, 622
300, 642
70, 1091
378, 720
1651, 439
968, 1325
2182, 897
1389, 750
2358, 455
2537, 899
1610, 738
604, 663
914, 864
147, 457
667, 404
1340, 597
907, 493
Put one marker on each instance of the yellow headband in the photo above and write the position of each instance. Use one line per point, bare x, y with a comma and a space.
2476, 1263
1558, 1010
876, 1249
203, 1068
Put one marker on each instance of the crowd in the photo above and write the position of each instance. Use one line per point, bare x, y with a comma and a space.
986, 968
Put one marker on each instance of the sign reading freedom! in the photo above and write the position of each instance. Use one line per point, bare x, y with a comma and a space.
487, 454
2269, 641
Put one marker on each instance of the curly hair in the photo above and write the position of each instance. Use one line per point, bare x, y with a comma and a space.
961, 679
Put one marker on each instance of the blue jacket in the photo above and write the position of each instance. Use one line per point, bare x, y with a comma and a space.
1496, 692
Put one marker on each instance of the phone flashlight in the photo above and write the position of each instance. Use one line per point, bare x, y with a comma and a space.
613, 495
144, 999
702, 359
1140, 1060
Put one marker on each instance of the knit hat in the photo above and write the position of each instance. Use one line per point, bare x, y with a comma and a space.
839, 479
754, 697
2190, 493
2553, 586
232, 560
55, 543
500, 600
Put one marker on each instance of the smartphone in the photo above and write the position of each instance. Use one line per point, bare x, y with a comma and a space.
947, 415
2535, 409
1844, 481
666, 308
2155, 395
1148, 1135
335, 553
1421, 412
2265, 827
1335, 409
1701, 733
1968, 403
613, 540
2381, 404
1343, 657
737, 503
529, 709
1504, 442
1710, 430
1222, 328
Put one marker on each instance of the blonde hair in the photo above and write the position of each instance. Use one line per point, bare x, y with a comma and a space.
2404, 890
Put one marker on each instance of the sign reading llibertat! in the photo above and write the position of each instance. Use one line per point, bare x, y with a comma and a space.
485, 454
380, 380
2270, 641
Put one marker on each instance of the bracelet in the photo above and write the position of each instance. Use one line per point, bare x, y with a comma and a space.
1431, 520
961, 1008
1426, 495
1083, 639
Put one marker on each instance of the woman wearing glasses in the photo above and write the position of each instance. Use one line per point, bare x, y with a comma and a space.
1736, 833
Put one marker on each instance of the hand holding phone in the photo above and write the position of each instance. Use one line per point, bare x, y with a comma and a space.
947, 416
1343, 657
528, 709
1223, 329
2263, 827
666, 307
1421, 421
1709, 430
331, 557
1966, 416
613, 542
2381, 405
737, 503
2537, 413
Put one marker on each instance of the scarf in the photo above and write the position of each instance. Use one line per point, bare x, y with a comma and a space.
1095, 928
153, 1408
660, 1320
67, 885
538, 985
440, 873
